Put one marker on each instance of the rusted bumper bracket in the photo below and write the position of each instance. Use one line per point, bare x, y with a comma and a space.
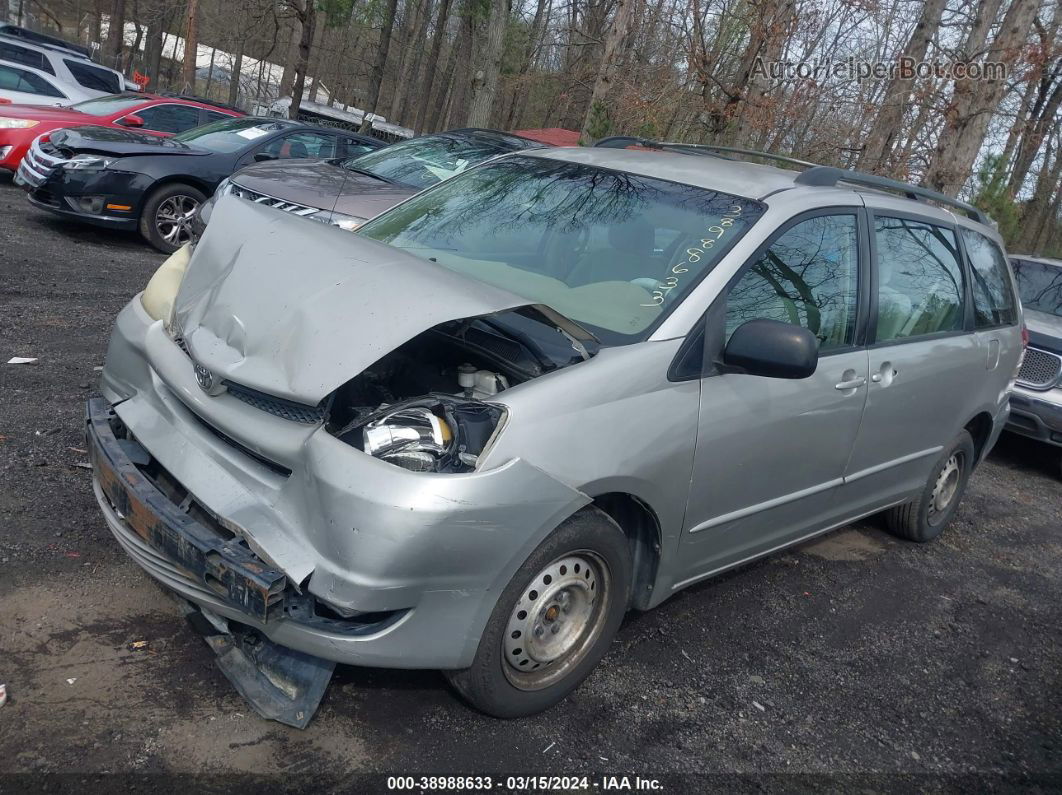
223, 565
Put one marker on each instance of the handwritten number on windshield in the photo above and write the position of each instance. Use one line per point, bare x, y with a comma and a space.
694, 255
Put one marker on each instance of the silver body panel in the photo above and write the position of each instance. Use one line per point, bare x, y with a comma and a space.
731, 467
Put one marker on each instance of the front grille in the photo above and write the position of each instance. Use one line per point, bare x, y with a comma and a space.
39, 162
1039, 369
278, 407
269, 201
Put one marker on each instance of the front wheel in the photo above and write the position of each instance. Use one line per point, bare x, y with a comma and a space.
923, 519
554, 621
166, 220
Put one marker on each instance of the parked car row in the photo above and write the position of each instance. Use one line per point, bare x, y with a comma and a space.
473, 432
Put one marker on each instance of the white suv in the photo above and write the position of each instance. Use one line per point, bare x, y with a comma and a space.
68, 66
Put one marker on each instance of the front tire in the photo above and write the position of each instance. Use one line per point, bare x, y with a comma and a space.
554, 621
166, 220
923, 519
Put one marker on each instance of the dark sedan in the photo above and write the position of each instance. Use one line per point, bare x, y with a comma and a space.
127, 180
347, 192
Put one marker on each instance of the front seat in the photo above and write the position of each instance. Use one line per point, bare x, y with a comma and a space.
628, 256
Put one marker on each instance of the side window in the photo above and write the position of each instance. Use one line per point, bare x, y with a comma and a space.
920, 283
303, 144
20, 80
354, 147
169, 118
12, 52
210, 116
35, 84
93, 77
808, 277
993, 295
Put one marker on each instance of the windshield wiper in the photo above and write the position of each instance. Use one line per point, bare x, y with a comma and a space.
370, 174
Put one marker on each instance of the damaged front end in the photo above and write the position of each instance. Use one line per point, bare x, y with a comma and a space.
305, 458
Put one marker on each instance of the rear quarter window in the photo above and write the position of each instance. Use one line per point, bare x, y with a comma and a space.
993, 294
93, 77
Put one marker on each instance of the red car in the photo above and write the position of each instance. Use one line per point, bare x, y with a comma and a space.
151, 113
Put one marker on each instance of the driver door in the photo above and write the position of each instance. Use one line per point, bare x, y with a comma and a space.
771, 453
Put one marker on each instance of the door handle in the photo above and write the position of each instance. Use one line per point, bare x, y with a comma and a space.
851, 383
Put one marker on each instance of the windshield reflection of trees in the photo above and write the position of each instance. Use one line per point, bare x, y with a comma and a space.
1040, 286
567, 198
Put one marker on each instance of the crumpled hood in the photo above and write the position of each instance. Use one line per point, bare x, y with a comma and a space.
118, 141
295, 309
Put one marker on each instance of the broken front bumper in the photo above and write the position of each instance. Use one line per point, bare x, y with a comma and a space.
353, 536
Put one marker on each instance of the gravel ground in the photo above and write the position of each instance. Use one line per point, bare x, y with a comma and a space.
852, 662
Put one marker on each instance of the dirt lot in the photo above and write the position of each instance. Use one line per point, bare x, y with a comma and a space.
856, 660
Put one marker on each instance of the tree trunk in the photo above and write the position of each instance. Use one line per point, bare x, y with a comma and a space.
409, 67
1041, 118
210, 71
457, 103
534, 42
191, 47
433, 121
234, 73
308, 19
488, 64
115, 42
287, 77
376, 79
887, 126
442, 16
974, 103
153, 46
615, 43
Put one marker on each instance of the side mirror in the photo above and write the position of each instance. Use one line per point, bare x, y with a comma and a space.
261, 157
131, 120
772, 349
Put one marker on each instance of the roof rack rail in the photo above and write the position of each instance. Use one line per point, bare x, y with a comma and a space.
828, 176
623, 141
816, 174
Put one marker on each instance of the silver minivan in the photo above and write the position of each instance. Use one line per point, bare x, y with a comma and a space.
560, 386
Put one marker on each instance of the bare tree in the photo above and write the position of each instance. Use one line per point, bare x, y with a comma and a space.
377, 77
616, 39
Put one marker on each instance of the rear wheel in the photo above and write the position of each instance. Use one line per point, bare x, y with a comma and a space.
554, 621
923, 519
166, 220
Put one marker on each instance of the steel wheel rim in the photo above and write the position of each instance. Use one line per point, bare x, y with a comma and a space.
557, 619
946, 487
173, 219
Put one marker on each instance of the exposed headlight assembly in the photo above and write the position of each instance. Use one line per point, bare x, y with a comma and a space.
162, 287
88, 162
439, 433
347, 222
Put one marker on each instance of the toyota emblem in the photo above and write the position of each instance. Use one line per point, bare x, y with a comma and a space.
205, 378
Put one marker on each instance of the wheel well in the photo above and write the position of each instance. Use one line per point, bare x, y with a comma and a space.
189, 181
980, 428
639, 523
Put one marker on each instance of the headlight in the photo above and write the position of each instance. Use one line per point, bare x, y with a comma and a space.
17, 124
439, 433
348, 222
161, 289
88, 162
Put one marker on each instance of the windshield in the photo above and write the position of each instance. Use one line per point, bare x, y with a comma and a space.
610, 250
1040, 286
229, 135
105, 106
422, 162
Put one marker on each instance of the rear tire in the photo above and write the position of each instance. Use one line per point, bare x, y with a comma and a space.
166, 220
924, 518
554, 621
